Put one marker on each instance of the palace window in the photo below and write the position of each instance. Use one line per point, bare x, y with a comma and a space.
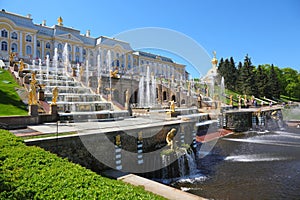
4, 33
59, 46
28, 38
14, 47
38, 43
14, 35
77, 59
77, 49
38, 54
48, 45
4, 46
28, 50
84, 52
69, 48
48, 54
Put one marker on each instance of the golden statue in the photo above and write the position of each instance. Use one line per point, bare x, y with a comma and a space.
114, 74
118, 140
60, 21
11, 57
32, 100
33, 78
54, 96
172, 106
170, 137
21, 65
230, 100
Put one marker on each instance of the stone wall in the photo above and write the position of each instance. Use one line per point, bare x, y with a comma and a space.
98, 151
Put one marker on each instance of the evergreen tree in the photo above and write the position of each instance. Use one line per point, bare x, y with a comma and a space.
231, 75
261, 82
239, 81
274, 83
247, 79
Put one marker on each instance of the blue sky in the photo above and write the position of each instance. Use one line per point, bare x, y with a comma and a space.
267, 30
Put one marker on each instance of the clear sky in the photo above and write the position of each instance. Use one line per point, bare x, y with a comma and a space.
267, 30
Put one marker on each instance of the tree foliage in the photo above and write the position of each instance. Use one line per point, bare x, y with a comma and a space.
265, 80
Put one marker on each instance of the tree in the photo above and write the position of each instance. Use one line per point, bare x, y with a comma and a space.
247, 80
261, 81
274, 83
239, 81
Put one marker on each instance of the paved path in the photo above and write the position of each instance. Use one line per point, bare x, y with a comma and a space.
104, 126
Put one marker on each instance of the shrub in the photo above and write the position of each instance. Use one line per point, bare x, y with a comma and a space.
33, 173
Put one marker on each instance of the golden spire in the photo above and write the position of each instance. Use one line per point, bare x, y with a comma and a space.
214, 61
60, 21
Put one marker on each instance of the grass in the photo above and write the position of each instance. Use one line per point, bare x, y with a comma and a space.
29, 172
287, 99
10, 102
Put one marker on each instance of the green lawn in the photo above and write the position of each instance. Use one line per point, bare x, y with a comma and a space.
29, 172
10, 102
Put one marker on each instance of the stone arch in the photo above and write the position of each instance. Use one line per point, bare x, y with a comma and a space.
164, 95
182, 101
173, 98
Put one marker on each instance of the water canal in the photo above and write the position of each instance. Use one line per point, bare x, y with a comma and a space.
249, 165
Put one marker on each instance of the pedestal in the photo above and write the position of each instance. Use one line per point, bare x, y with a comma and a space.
53, 109
33, 110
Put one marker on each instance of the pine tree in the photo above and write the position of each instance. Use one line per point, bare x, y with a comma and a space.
274, 83
247, 80
261, 82
239, 81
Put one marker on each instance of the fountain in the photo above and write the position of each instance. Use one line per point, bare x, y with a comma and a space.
147, 93
55, 63
66, 57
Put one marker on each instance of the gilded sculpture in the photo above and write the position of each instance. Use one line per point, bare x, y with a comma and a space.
170, 137
54, 96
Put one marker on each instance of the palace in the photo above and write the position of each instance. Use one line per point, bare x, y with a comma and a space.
31, 41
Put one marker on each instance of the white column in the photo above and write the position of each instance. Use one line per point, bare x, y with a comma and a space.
43, 51
74, 51
34, 47
80, 54
20, 45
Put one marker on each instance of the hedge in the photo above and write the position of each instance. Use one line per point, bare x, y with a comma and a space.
33, 173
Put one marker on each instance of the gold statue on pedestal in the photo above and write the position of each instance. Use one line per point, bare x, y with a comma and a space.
54, 96
170, 137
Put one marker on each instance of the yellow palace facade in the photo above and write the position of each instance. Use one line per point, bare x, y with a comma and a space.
31, 41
